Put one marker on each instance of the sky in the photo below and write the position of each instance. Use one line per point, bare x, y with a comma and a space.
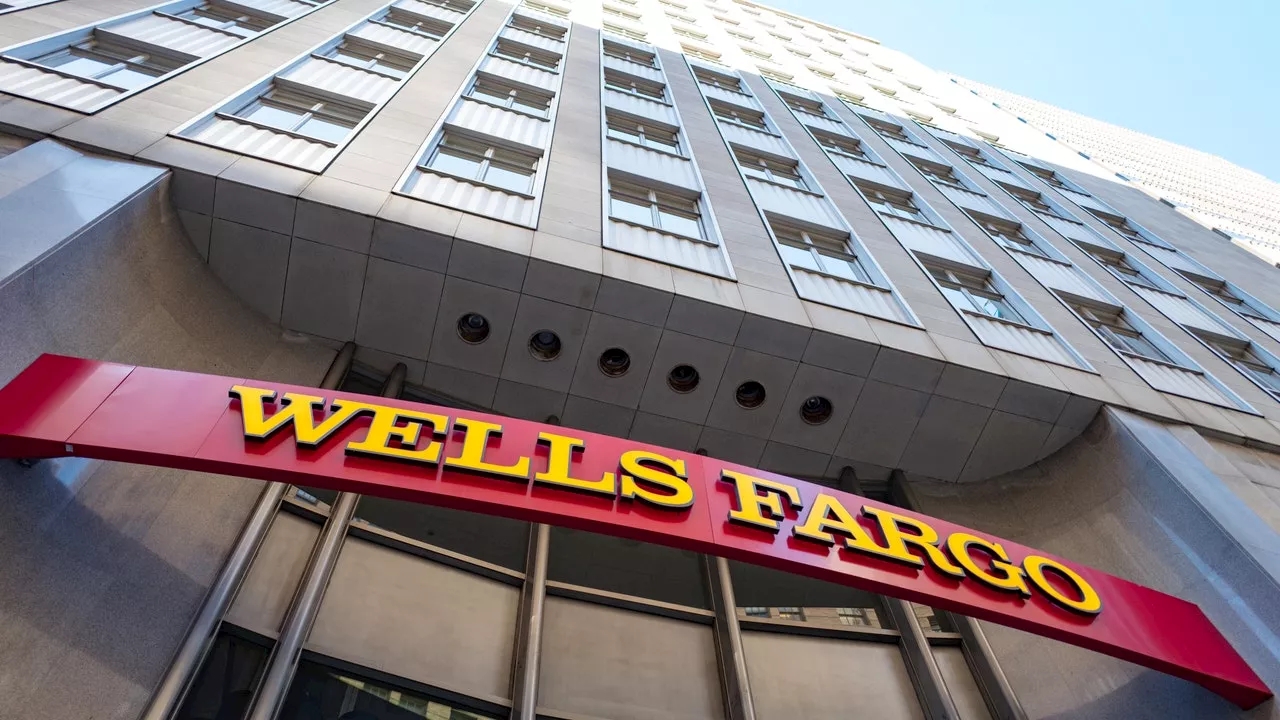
1201, 74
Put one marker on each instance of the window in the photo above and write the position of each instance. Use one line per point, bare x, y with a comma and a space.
623, 14
531, 25
799, 53
642, 132
1247, 360
238, 21
833, 53
719, 80
819, 252
358, 54
971, 290
416, 24
1119, 265
972, 154
898, 203
757, 54
740, 35
109, 64
1033, 200
890, 131
324, 120
794, 614
623, 52
1050, 177
780, 36
771, 169
756, 611
675, 214
850, 99
825, 74
805, 105
632, 85
841, 144
461, 6
690, 34
681, 17
1118, 332
700, 54
739, 116
499, 93
854, 617
1120, 225
525, 55
483, 163
726, 20
1009, 234
775, 75
938, 173
638, 35
321, 691
1220, 290
546, 8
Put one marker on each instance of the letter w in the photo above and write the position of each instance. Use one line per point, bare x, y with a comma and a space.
295, 409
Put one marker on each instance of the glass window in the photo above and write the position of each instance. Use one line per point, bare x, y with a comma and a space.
939, 174
634, 86
656, 209
403, 20
628, 567
622, 52
771, 170
232, 20
644, 133
319, 691
805, 105
524, 55
714, 79
359, 55
1011, 235
226, 681
747, 118
323, 120
1121, 267
121, 67
471, 160
528, 24
507, 96
1221, 291
490, 538
972, 291
890, 202
892, 132
815, 251
770, 594
841, 144
1119, 333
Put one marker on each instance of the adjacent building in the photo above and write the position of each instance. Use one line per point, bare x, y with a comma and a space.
702, 224
1242, 205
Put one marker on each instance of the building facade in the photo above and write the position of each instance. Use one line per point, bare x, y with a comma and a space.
702, 224
1242, 205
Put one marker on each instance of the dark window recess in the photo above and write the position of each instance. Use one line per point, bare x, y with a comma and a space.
223, 688
626, 566
490, 538
766, 593
319, 692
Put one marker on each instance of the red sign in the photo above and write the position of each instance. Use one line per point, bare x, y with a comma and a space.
541, 473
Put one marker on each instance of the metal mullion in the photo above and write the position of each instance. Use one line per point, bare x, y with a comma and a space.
282, 664
166, 701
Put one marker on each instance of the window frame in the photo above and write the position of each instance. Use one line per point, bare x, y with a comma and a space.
732, 114
977, 287
821, 247
486, 162
768, 169
513, 92
1119, 334
659, 201
306, 106
527, 55
622, 51
635, 86
643, 128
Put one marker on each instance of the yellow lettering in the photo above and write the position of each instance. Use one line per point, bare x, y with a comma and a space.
827, 516
675, 479
295, 409
474, 444
1009, 576
1089, 602
757, 510
896, 541
560, 462
384, 427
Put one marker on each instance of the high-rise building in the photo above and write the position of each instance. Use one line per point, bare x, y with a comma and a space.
761, 258
1240, 203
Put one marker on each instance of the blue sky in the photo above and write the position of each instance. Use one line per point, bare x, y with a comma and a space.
1177, 69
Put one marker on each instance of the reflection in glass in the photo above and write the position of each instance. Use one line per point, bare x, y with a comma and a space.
629, 567
223, 688
770, 594
323, 693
